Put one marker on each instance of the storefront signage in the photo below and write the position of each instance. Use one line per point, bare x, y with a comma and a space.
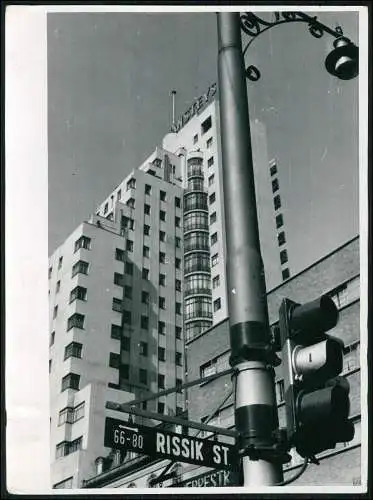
195, 108
158, 443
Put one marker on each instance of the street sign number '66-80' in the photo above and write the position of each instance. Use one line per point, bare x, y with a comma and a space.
159, 443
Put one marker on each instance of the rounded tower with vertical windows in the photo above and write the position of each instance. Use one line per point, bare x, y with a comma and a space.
197, 274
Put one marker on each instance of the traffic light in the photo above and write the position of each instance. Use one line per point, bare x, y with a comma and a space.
316, 398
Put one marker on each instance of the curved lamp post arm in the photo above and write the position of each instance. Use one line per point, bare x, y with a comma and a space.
253, 26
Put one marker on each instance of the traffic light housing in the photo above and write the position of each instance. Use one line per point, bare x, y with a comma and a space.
316, 398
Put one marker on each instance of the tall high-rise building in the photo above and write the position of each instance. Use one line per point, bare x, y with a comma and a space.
138, 280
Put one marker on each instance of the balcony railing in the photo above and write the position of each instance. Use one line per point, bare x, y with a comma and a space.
196, 245
196, 291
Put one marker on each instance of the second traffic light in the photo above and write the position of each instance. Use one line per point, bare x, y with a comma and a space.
317, 400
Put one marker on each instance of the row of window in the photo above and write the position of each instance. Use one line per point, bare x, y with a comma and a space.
127, 315
70, 415
82, 242
67, 447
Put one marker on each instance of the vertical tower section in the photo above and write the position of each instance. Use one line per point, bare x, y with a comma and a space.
197, 272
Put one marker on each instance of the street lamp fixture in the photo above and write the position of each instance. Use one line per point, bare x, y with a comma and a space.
343, 60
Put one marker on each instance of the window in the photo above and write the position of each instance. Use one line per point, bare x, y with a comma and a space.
162, 257
118, 279
119, 254
146, 230
177, 221
119, 194
106, 208
62, 449
161, 381
162, 236
283, 256
177, 202
161, 327
162, 215
78, 411
212, 198
75, 445
216, 281
65, 484
179, 382
206, 125
144, 322
178, 263
162, 303
145, 297
144, 405
128, 291
280, 391
128, 268
146, 209
143, 376
114, 360
52, 337
161, 354
178, 308
70, 381
217, 304
126, 344
213, 218
178, 285
214, 238
83, 242
273, 169
214, 260
195, 139
131, 184
285, 274
216, 365
162, 195
50, 272
73, 350
281, 238
129, 245
279, 220
178, 331
351, 357
55, 312
50, 365
75, 321
210, 161
145, 273
117, 305
60, 260
124, 371
127, 317
211, 179
209, 143
277, 202
177, 242
160, 407
80, 267
145, 251
148, 189
127, 223
78, 293
116, 331
275, 186
178, 358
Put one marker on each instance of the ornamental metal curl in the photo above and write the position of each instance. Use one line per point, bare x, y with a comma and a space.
253, 26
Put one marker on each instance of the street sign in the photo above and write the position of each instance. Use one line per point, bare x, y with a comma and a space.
159, 443
211, 479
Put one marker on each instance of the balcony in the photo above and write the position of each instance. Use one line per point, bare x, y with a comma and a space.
197, 291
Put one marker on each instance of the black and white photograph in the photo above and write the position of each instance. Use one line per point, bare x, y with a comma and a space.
186, 217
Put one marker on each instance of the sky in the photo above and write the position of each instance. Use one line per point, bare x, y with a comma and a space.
109, 82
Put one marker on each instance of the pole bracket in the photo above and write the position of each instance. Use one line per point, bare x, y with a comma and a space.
277, 451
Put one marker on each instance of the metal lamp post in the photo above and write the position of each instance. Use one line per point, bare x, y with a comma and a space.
260, 441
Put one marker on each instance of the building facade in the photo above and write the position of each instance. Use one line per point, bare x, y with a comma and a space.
138, 281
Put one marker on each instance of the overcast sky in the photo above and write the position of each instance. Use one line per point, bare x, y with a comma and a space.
109, 79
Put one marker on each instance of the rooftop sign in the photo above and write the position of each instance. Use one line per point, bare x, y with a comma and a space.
159, 443
195, 108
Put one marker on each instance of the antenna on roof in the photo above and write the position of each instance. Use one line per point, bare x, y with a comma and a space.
173, 94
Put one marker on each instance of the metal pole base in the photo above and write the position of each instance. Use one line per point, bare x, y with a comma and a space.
260, 473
